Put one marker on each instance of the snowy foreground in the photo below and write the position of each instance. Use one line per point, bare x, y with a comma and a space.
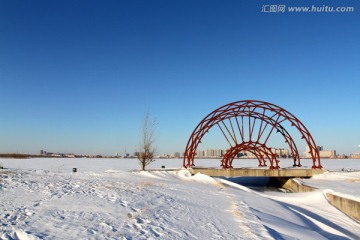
105, 199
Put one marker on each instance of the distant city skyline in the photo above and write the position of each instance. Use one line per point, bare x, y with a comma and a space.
78, 76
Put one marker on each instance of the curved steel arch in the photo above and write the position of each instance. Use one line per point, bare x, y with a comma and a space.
258, 149
267, 113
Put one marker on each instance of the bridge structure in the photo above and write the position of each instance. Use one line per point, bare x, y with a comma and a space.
247, 126
258, 172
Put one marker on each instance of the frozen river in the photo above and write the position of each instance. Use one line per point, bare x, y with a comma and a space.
127, 164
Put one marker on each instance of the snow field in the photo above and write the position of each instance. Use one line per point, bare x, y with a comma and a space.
43, 199
43, 205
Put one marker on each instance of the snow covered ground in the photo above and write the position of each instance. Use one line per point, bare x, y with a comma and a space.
106, 199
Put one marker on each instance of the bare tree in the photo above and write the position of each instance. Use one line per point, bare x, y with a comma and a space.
146, 146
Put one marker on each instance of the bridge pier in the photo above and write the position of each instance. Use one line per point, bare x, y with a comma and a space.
289, 183
280, 178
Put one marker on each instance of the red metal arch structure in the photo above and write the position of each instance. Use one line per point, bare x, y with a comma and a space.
267, 116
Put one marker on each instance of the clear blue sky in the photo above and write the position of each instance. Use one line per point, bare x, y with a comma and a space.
78, 76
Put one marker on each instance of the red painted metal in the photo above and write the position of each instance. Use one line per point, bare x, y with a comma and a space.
258, 149
269, 115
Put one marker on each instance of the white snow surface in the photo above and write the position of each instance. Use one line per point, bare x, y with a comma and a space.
108, 199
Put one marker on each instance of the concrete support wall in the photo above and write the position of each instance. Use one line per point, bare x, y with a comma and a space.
297, 187
289, 184
347, 206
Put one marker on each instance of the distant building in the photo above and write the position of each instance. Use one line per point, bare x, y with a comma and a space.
245, 154
327, 153
210, 153
177, 155
355, 155
165, 155
200, 154
220, 153
322, 153
281, 152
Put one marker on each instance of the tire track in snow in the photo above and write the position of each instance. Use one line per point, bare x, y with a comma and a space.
236, 212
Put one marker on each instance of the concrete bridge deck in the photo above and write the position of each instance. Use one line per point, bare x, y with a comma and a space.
258, 172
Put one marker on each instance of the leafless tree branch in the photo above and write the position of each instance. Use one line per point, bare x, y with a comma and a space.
146, 146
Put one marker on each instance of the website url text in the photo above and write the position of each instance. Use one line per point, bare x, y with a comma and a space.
312, 9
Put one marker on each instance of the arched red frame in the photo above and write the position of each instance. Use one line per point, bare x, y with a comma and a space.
269, 115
